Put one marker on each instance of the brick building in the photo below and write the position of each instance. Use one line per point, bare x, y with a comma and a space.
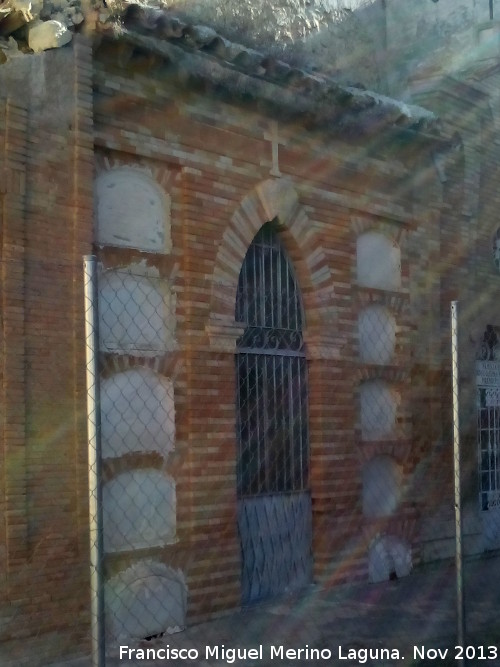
186, 163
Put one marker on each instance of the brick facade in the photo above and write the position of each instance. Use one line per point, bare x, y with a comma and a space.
47, 157
211, 157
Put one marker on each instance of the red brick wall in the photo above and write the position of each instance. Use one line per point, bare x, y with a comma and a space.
47, 153
220, 199
216, 164
13, 483
465, 272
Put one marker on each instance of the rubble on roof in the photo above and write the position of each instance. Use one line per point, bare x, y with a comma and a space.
43, 35
37, 25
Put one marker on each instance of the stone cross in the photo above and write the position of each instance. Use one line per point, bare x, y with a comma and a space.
273, 137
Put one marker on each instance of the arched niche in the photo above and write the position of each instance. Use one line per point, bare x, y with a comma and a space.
379, 404
137, 413
139, 511
136, 313
382, 486
377, 335
132, 211
389, 557
378, 261
146, 599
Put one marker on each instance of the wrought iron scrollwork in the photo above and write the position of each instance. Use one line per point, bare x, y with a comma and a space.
489, 349
261, 338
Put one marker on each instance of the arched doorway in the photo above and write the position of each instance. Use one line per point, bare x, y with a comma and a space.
274, 502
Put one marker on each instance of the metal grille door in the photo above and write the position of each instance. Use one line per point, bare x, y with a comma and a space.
488, 436
274, 503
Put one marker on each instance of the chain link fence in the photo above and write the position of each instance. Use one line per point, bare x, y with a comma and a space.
383, 438
137, 595
131, 416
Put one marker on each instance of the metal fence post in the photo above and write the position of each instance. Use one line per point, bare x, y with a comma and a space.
457, 478
94, 456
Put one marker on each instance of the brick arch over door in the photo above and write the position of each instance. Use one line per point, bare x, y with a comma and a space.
269, 200
278, 200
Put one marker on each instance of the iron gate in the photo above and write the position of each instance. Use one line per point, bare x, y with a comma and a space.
274, 503
488, 437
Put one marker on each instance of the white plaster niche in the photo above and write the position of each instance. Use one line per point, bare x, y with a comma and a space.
389, 557
132, 211
139, 511
382, 486
137, 413
378, 260
149, 598
377, 335
136, 313
379, 404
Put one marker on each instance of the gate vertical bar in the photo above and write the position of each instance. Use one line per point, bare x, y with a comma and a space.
457, 477
94, 456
